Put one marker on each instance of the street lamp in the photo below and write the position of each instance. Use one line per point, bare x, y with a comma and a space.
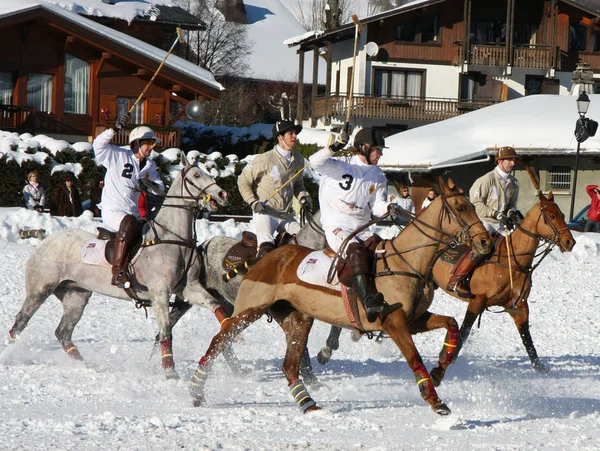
584, 128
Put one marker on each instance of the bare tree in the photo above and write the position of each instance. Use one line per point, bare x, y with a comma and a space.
324, 14
223, 47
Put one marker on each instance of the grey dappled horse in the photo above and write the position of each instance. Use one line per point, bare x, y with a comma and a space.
168, 264
213, 252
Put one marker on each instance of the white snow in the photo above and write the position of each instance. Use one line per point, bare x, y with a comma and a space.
119, 399
543, 123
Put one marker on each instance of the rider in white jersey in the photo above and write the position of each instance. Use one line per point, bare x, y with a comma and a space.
119, 206
352, 189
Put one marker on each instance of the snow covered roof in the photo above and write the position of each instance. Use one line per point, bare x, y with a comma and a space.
10, 8
536, 125
128, 10
270, 24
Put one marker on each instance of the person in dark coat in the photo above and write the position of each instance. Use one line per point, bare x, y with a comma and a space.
67, 199
96, 198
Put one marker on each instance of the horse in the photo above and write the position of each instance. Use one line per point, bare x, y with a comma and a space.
401, 265
225, 290
166, 264
511, 263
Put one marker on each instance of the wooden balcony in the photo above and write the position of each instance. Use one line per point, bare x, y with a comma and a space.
12, 118
169, 136
414, 109
526, 56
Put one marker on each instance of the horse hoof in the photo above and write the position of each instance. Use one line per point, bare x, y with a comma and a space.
199, 402
441, 409
312, 409
313, 383
171, 374
541, 368
324, 355
355, 336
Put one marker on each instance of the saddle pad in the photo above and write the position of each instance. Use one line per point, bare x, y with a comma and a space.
92, 253
453, 254
314, 269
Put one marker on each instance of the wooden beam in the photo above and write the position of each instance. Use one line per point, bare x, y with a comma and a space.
105, 56
176, 88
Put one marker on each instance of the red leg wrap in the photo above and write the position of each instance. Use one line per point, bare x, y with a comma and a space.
449, 349
221, 315
11, 337
166, 351
72, 351
424, 383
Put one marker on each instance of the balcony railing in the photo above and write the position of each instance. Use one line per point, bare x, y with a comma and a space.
416, 109
12, 117
169, 136
531, 56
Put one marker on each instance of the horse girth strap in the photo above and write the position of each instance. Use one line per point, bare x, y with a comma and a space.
157, 241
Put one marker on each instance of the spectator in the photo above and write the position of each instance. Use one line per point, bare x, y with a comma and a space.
67, 198
33, 193
592, 223
96, 198
431, 195
405, 202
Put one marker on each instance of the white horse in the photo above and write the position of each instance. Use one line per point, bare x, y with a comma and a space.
167, 264
224, 292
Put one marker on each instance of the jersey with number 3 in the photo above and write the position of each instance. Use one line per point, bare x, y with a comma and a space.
350, 191
121, 192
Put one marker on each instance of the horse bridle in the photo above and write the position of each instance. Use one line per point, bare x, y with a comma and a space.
462, 236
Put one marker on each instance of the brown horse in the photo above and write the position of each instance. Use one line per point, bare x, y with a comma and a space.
491, 282
401, 267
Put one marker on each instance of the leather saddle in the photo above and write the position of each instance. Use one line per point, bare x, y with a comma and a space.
109, 236
242, 255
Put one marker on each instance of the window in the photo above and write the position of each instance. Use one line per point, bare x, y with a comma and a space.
576, 36
559, 178
6, 88
596, 41
39, 92
123, 105
422, 30
397, 83
488, 31
533, 84
77, 85
524, 33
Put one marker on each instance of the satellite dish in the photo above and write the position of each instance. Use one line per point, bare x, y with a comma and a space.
372, 48
193, 110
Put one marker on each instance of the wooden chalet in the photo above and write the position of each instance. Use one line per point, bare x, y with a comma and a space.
70, 77
430, 60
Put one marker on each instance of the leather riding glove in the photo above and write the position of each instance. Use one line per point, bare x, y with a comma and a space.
340, 142
257, 206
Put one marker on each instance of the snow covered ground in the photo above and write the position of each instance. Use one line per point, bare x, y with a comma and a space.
119, 399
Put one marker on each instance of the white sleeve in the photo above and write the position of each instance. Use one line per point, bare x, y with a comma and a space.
103, 149
324, 164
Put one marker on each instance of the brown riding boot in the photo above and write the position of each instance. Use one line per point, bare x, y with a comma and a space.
373, 301
264, 249
120, 278
461, 270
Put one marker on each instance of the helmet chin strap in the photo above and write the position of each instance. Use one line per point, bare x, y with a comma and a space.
367, 154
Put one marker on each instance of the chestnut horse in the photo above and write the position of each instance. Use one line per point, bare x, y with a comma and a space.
401, 266
491, 282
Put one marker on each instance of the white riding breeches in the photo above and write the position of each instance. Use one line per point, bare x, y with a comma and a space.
266, 226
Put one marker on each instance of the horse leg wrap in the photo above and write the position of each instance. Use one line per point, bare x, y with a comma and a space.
424, 383
449, 349
301, 395
198, 381
166, 352
11, 337
72, 351
221, 315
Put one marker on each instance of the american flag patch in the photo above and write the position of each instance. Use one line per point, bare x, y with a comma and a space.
311, 261
336, 231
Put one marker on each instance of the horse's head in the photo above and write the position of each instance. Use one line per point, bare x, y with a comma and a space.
548, 221
458, 217
201, 188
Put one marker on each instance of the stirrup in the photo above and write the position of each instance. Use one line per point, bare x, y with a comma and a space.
121, 280
460, 290
374, 305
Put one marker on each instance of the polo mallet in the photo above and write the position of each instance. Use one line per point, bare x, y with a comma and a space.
533, 176
357, 30
300, 171
178, 39
508, 246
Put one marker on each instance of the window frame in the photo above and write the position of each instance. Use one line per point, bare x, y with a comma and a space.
405, 71
419, 25
86, 89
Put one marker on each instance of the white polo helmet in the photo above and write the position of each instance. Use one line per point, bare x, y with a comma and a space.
143, 132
